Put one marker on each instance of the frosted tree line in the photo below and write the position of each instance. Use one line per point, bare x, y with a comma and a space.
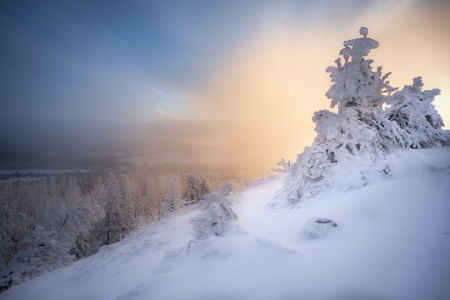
373, 119
48, 223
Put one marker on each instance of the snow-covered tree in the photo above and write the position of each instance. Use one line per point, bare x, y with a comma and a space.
216, 215
54, 192
155, 213
414, 111
73, 194
192, 192
204, 188
7, 193
77, 227
226, 189
172, 200
46, 254
14, 228
55, 219
129, 196
111, 229
97, 192
352, 143
285, 166
42, 206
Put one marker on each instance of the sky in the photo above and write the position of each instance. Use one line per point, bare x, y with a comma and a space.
242, 78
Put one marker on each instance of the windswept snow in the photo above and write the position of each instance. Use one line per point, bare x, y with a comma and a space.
392, 241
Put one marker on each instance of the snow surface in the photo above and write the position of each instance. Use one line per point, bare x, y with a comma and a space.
392, 241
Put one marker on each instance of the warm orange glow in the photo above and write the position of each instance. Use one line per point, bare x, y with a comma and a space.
269, 91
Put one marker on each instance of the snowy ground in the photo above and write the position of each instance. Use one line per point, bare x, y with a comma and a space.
392, 241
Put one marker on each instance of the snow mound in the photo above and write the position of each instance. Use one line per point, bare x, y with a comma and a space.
318, 227
217, 215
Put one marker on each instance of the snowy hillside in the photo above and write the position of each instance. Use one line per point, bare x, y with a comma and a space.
392, 241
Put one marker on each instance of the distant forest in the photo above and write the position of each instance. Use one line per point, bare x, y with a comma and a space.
48, 221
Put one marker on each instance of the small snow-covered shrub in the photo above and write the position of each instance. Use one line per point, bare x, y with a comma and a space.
216, 215
318, 227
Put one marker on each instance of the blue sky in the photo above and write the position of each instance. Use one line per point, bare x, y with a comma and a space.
115, 59
77, 59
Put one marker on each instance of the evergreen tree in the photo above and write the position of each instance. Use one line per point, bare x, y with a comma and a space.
355, 138
46, 254
77, 227
414, 111
192, 192
14, 228
129, 196
55, 219
97, 192
204, 188
54, 192
111, 229
73, 194
172, 200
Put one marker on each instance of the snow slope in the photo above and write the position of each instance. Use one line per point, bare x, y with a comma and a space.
392, 241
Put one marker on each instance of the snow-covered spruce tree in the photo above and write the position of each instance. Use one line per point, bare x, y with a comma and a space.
112, 228
192, 192
172, 200
55, 219
204, 188
129, 195
73, 194
77, 227
46, 254
350, 145
54, 192
216, 215
414, 111
14, 228
97, 192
